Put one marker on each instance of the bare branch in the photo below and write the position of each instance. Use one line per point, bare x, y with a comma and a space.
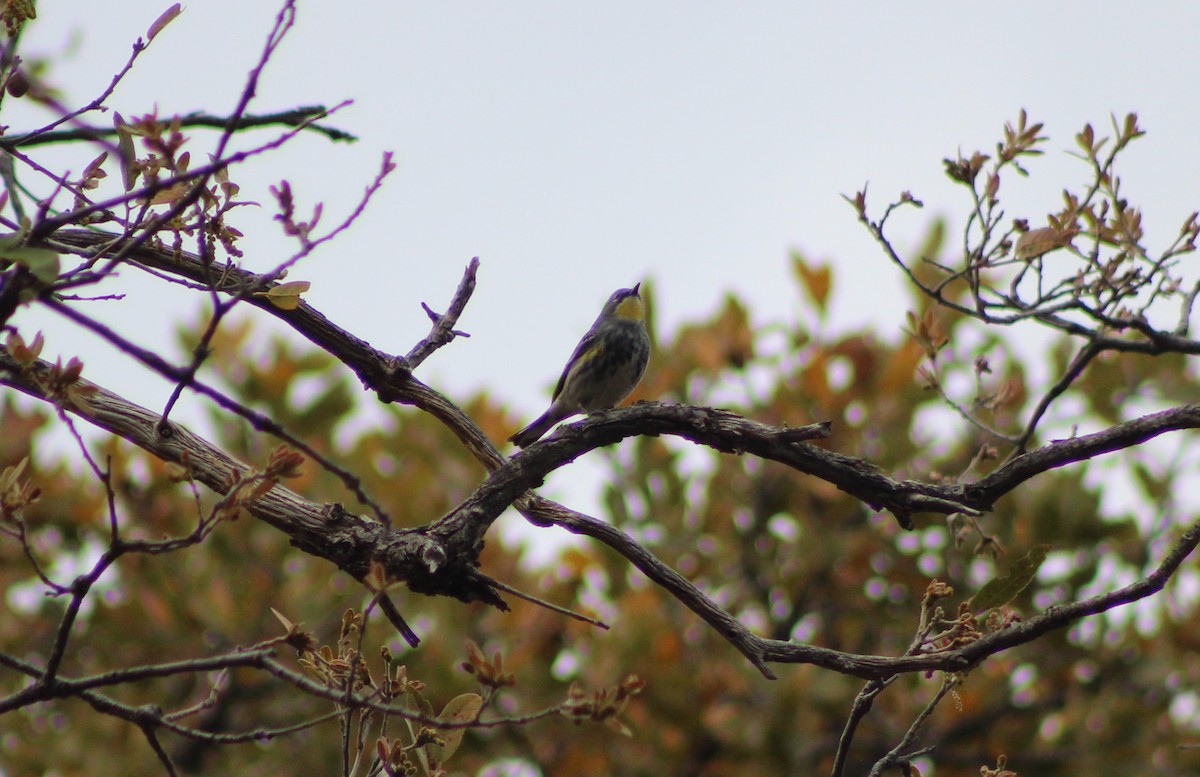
443, 324
896, 755
300, 118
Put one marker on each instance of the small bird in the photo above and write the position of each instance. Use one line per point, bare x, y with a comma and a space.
606, 366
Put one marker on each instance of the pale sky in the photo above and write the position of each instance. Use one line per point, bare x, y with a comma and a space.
577, 147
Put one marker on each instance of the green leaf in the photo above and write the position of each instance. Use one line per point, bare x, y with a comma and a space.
126, 152
1002, 590
460, 709
286, 296
42, 262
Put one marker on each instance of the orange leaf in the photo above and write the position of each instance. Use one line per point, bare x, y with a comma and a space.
817, 281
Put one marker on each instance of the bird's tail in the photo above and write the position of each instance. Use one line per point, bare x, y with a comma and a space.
532, 433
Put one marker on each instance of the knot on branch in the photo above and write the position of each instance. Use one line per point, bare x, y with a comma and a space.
435, 566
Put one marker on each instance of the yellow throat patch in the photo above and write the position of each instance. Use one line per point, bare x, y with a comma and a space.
630, 308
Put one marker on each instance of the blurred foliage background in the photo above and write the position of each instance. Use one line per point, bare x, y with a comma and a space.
787, 554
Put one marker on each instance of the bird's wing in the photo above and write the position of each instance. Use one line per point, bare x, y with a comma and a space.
577, 359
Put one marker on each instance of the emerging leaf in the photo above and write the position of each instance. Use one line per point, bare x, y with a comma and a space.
163, 20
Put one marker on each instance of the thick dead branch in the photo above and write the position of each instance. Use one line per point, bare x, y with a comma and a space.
441, 558
331, 532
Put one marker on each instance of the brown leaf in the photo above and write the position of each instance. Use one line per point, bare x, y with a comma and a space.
1037, 242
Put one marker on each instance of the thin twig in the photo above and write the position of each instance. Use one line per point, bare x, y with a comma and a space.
543, 603
894, 756
302, 118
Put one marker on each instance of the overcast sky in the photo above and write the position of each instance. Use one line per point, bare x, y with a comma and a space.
577, 147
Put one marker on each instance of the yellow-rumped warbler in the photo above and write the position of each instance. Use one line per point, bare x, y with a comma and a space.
605, 367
